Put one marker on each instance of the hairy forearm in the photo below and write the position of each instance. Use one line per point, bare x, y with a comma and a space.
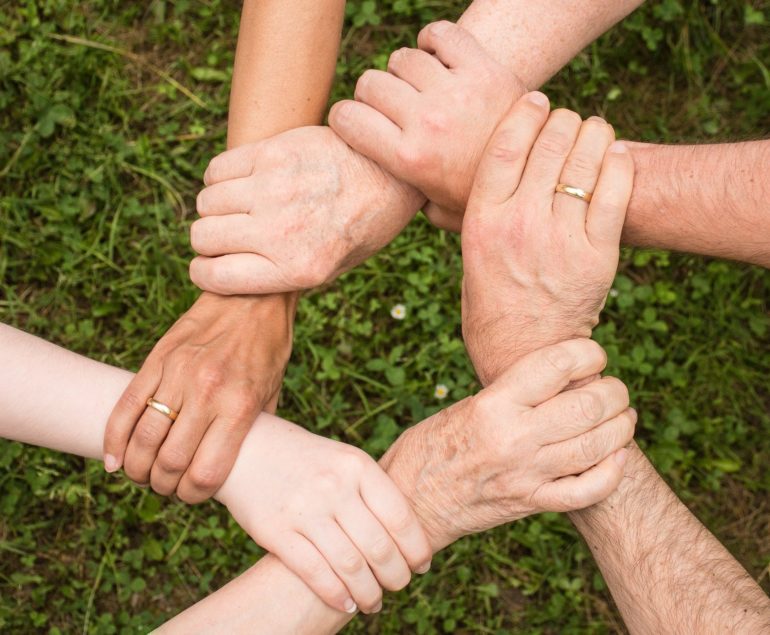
703, 199
535, 39
284, 66
666, 571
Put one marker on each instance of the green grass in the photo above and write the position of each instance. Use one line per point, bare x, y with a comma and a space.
101, 155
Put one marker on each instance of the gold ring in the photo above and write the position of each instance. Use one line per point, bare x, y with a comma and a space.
575, 192
162, 409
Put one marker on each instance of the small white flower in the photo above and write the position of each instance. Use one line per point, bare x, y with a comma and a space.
614, 293
441, 391
398, 312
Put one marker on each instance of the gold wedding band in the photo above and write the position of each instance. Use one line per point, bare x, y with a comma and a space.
575, 192
162, 409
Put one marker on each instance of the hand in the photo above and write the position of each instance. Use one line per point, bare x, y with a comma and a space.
520, 447
218, 367
429, 117
538, 265
328, 511
293, 212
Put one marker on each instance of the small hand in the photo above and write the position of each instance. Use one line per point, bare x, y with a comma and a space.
521, 446
538, 264
429, 117
328, 511
293, 212
218, 366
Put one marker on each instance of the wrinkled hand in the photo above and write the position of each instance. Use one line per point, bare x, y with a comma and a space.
293, 212
538, 265
520, 447
429, 117
328, 511
218, 366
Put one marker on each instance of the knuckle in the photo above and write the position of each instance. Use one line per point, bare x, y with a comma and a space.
206, 478
397, 57
559, 358
211, 376
350, 562
591, 405
381, 550
364, 82
412, 156
315, 568
401, 519
568, 117
173, 460
582, 165
590, 448
555, 143
506, 146
132, 401
620, 390
149, 435
435, 122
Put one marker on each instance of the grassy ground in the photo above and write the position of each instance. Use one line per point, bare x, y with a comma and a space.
109, 112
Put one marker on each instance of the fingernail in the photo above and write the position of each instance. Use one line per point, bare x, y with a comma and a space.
597, 119
618, 148
423, 568
621, 456
377, 608
111, 463
538, 98
350, 606
342, 111
439, 27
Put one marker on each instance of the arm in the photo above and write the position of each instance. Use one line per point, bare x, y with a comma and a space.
666, 571
702, 199
706, 199
519, 453
223, 361
350, 206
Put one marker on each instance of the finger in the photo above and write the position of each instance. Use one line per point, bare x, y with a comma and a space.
388, 94
127, 411
302, 557
544, 373
505, 156
607, 211
177, 451
549, 154
373, 541
443, 218
367, 131
213, 459
418, 68
151, 431
591, 487
573, 412
582, 170
221, 235
452, 45
235, 196
234, 164
236, 274
348, 563
392, 510
590, 448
